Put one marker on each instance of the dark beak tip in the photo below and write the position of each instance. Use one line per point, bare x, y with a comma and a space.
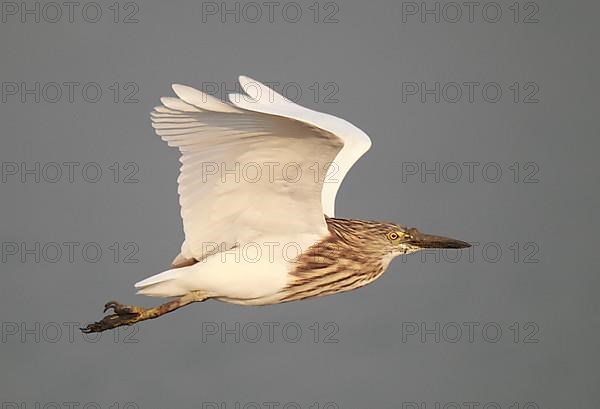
464, 245
455, 245
431, 241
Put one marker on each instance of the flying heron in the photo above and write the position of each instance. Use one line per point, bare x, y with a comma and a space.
257, 190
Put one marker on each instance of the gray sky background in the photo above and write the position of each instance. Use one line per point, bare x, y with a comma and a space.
533, 274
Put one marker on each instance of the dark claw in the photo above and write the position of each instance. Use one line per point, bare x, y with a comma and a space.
95, 327
109, 305
120, 309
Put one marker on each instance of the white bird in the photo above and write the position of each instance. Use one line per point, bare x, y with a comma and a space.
257, 190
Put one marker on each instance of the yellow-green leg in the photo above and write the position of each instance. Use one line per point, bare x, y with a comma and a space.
129, 315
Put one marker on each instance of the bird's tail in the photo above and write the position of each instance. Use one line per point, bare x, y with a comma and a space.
165, 284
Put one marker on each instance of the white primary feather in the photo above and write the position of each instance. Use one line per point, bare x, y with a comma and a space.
202, 100
221, 210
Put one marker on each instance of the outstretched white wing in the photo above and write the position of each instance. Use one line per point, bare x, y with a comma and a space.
256, 168
261, 98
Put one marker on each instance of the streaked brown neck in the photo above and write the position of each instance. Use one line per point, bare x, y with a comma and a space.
340, 262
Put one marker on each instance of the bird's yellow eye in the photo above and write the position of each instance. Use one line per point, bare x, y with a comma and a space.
393, 236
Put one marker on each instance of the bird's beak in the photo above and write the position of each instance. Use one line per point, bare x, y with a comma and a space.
429, 241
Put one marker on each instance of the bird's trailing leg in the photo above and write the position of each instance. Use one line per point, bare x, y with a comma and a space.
129, 315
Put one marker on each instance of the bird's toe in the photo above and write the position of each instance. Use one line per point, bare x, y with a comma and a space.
122, 309
122, 315
110, 305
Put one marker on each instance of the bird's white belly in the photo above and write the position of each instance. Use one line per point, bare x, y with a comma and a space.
252, 271
238, 278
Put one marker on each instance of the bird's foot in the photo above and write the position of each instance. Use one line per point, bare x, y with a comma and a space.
123, 315
129, 315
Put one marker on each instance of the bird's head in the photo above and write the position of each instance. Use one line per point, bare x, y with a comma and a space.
402, 240
387, 240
